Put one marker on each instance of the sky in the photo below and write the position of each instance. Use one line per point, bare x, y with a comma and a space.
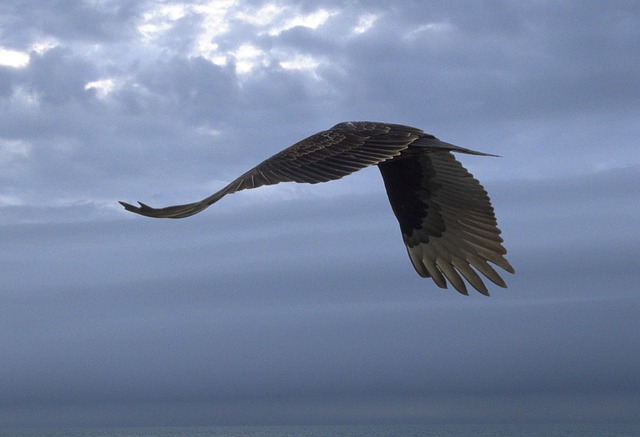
297, 304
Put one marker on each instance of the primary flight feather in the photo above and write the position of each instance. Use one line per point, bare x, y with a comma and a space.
445, 215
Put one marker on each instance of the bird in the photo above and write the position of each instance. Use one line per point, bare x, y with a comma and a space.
447, 222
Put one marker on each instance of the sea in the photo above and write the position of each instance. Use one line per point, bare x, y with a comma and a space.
565, 430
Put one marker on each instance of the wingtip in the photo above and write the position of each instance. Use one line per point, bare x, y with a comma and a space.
462, 290
133, 208
127, 206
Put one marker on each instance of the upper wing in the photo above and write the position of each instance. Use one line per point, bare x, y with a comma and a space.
446, 219
325, 156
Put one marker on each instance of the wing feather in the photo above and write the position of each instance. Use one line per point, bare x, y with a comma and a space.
446, 218
322, 157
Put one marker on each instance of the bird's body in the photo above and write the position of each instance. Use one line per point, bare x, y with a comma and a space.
445, 215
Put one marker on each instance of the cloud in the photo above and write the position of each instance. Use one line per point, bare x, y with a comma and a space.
11, 150
13, 58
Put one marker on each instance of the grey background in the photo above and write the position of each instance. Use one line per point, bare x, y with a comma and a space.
297, 303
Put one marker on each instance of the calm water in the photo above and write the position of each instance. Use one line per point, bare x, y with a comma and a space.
343, 431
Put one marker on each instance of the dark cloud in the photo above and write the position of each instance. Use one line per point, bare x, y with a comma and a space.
77, 21
298, 304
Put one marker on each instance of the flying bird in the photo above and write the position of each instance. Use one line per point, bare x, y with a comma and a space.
447, 222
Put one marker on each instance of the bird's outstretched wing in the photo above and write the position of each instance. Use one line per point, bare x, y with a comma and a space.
446, 219
445, 215
325, 156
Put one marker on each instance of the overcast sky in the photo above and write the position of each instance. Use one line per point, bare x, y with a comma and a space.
298, 303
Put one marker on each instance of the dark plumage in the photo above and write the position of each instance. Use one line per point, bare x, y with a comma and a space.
445, 215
